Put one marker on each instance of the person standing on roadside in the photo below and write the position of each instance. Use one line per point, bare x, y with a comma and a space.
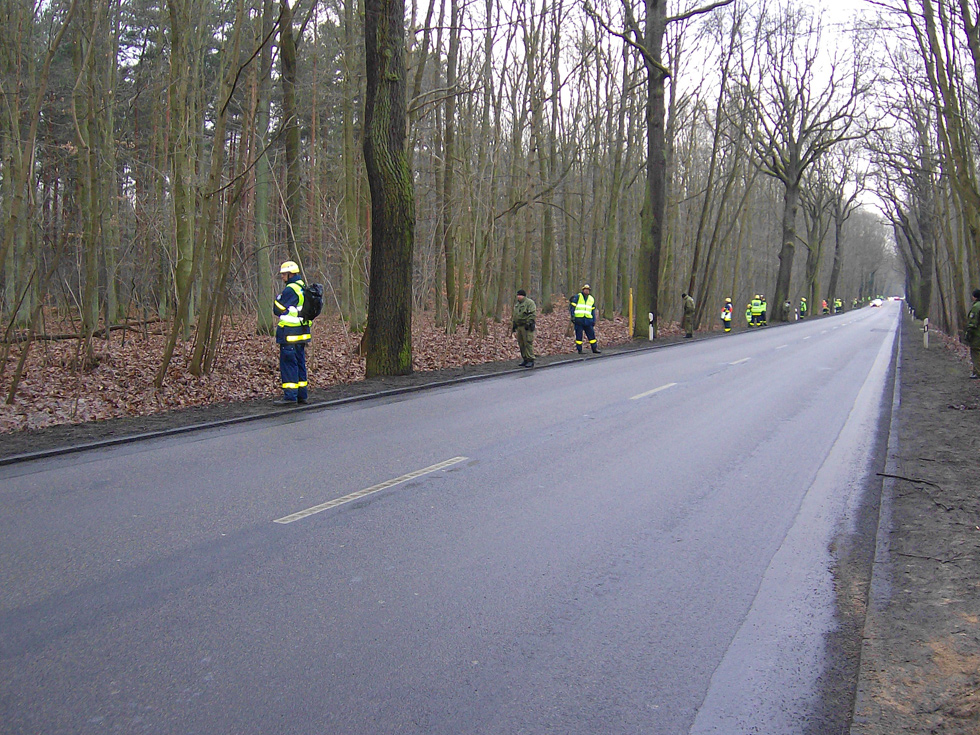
726, 315
522, 324
972, 334
687, 322
292, 334
758, 309
581, 307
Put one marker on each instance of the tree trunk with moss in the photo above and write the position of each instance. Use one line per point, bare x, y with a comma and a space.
389, 331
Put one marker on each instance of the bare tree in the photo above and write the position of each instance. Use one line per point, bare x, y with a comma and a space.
804, 110
18, 153
265, 323
649, 42
847, 185
907, 172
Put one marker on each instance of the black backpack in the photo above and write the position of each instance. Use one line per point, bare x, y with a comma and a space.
312, 302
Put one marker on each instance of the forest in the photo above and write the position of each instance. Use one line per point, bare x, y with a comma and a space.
160, 158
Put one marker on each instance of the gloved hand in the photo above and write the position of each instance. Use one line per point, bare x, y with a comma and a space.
530, 326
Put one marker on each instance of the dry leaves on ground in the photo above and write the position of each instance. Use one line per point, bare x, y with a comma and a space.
120, 383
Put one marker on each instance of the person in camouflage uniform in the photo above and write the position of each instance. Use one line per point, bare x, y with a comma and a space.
972, 334
522, 324
687, 323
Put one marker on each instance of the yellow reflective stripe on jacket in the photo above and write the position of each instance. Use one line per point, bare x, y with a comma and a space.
297, 337
290, 320
291, 316
584, 306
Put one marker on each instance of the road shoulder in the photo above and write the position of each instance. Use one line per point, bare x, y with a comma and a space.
920, 658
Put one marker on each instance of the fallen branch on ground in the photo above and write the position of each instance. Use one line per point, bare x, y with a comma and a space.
97, 333
908, 479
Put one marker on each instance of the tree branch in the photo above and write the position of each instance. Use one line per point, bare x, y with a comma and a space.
699, 11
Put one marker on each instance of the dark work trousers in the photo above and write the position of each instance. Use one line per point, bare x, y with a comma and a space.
292, 367
587, 326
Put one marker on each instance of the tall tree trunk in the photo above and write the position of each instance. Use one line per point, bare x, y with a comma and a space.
182, 157
16, 215
389, 331
610, 226
84, 106
651, 242
217, 257
265, 323
791, 204
295, 232
549, 167
183, 130
834, 284
454, 308
352, 240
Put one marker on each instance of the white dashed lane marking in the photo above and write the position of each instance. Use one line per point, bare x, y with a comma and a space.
368, 491
655, 390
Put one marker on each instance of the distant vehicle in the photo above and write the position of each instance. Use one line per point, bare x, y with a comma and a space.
876, 302
896, 298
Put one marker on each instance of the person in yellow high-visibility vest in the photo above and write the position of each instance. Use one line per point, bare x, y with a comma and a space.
758, 310
292, 334
581, 308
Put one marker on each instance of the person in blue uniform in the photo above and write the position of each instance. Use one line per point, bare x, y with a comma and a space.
581, 307
292, 334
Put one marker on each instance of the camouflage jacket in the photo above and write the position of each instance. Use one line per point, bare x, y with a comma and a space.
972, 334
524, 313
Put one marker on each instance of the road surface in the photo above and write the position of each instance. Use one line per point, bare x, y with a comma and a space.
634, 544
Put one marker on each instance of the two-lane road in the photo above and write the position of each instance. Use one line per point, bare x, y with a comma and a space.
641, 544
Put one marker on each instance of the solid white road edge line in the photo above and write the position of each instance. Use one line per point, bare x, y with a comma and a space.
651, 392
368, 491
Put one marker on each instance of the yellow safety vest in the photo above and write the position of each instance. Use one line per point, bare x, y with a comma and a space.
584, 306
297, 330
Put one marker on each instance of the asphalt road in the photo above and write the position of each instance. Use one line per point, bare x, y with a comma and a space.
640, 544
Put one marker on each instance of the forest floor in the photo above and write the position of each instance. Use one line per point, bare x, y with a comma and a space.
920, 657
114, 395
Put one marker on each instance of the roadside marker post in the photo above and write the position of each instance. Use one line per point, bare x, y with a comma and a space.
925, 333
629, 318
